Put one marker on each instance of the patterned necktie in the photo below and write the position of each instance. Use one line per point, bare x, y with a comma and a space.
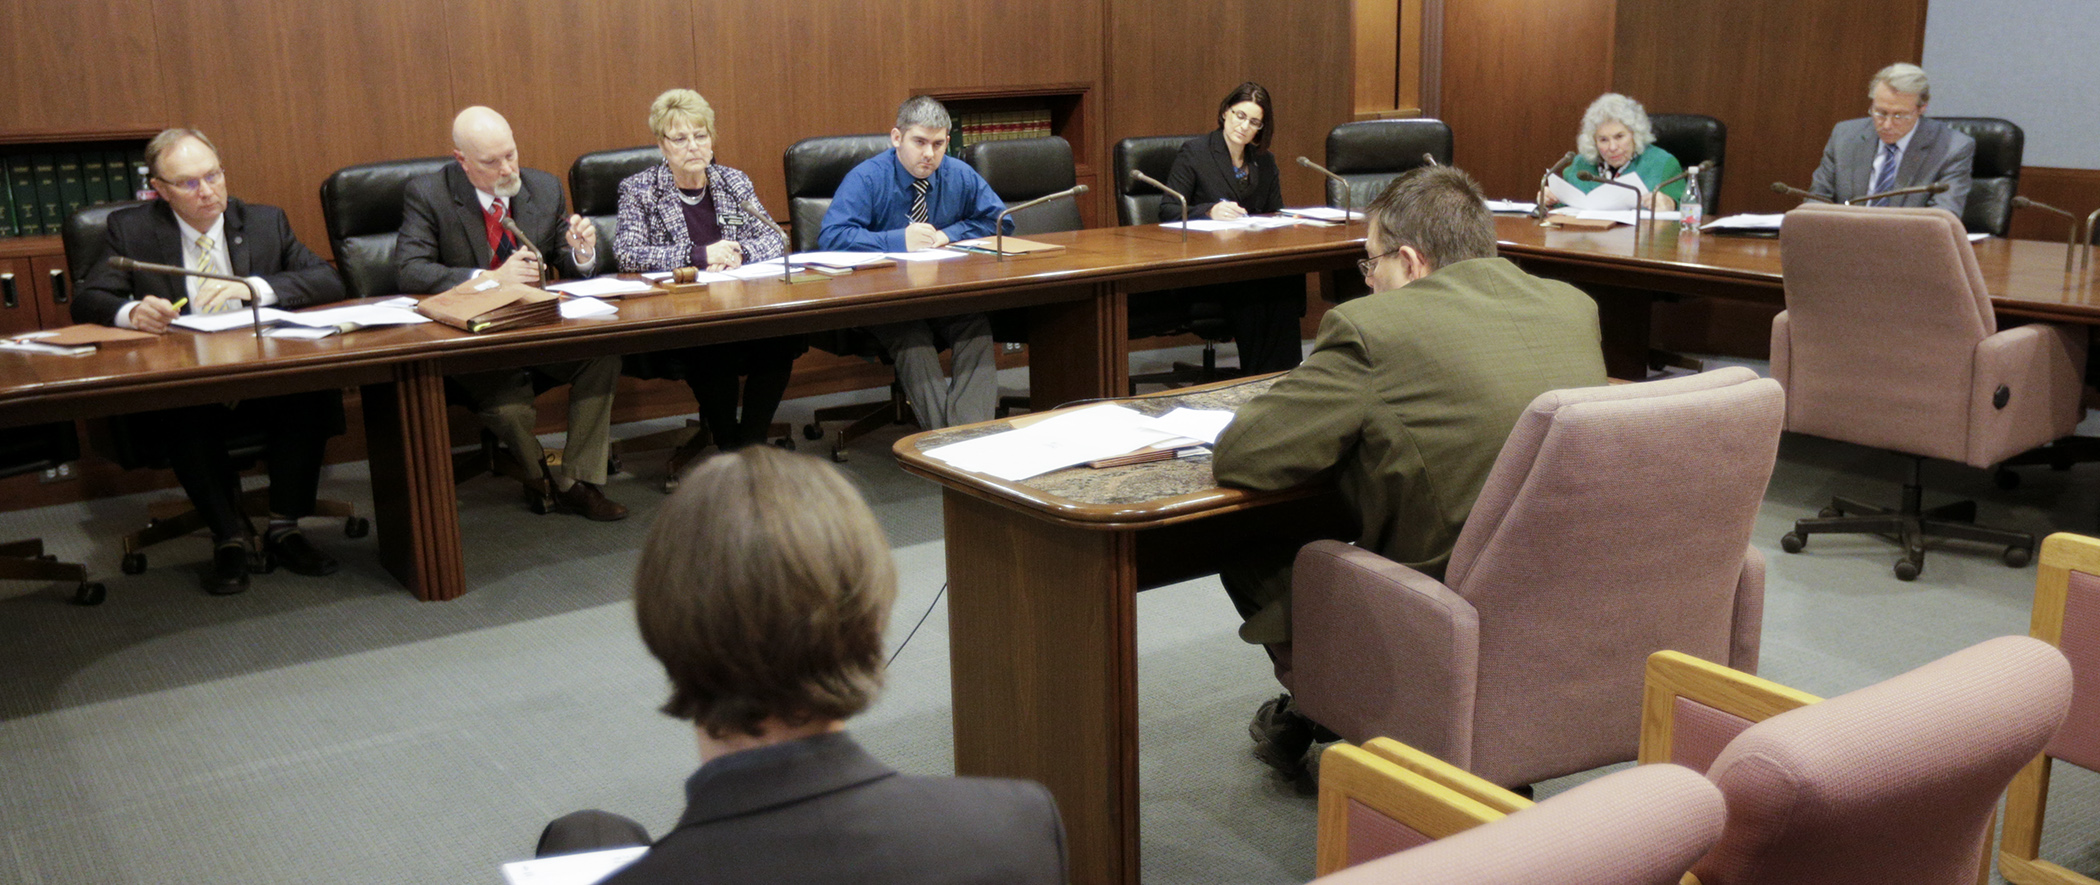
501, 244
1887, 179
919, 187
206, 263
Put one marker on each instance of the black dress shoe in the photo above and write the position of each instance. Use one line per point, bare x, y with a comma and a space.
293, 551
1281, 736
229, 569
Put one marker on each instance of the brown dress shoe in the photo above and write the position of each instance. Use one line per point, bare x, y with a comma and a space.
539, 496
584, 499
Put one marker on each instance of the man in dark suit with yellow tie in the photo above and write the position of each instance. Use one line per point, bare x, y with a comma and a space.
196, 225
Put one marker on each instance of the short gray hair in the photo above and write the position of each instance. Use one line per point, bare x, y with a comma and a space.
1903, 77
924, 111
166, 141
1438, 210
1612, 107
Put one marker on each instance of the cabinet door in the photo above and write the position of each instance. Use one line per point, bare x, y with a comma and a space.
18, 297
54, 290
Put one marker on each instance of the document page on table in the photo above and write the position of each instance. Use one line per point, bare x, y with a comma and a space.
1605, 196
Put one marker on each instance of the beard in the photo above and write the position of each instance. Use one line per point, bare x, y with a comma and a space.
509, 187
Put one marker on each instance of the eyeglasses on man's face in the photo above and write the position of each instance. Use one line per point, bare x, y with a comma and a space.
214, 178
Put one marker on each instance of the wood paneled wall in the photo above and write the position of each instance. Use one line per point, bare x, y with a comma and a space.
1516, 77
1780, 73
1171, 61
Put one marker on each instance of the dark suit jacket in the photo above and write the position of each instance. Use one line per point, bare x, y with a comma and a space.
821, 810
259, 242
1203, 173
444, 241
1937, 153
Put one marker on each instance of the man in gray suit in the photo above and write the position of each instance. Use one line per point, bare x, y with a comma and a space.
764, 588
1895, 147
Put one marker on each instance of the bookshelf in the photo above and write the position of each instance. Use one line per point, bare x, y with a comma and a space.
44, 177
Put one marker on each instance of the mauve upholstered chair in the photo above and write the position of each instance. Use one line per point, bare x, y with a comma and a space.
1385, 797
1888, 340
1615, 523
1641, 826
1895, 782
2066, 615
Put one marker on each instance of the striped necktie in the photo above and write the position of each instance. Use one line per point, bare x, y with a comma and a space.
919, 187
1886, 181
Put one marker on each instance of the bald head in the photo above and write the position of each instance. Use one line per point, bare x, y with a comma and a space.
482, 142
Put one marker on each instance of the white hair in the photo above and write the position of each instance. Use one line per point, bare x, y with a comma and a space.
1612, 107
1903, 77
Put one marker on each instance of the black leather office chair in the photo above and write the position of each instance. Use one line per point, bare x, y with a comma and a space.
42, 447
361, 208
1171, 311
814, 168
1995, 176
85, 236
1369, 154
1023, 169
594, 184
1696, 139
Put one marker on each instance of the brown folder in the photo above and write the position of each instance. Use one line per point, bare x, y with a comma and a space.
1010, 246
509, 306
88, 335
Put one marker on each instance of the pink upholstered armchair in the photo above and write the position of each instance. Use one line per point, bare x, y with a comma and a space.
1642, 826
1889, 340
1895, 782
1615, 523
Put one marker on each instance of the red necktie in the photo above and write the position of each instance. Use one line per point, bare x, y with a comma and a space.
500, 245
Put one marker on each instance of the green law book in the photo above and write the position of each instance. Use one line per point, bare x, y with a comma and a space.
21, 189
72, 189
50, 207
123, 185
94, 177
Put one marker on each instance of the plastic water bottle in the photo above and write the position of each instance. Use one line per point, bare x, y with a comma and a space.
145, 191
1691, 211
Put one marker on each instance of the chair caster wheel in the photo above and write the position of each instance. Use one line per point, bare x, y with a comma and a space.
1829, 513
1906, 570
133, 563
356, 527
812, 432
839, 455
2018, 557
2006, 479
1792, 542
90, 593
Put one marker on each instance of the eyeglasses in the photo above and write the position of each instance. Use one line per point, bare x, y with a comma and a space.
686, 141
1881, 116
1366, 265
190, 185
1241, 116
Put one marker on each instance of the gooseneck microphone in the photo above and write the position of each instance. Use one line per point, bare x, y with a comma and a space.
510, 226
787, 243
1546, 182
999, 224
2088, 239
1687, 173
1934, 188
2070, 239
1348, 193
1170, 192
254, 300
1780, 187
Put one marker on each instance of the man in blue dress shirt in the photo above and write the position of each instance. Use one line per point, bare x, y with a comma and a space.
903, 200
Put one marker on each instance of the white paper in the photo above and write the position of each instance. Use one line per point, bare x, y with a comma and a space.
1512, 207
1619, 216
602, 287
1075, 437
360, 315
571, 869
1197, 424
24, 344
302, 333
840, 259
232, 319
581, 308
1745, 221
925, 255
1325, 213
1978, 238
1603, 196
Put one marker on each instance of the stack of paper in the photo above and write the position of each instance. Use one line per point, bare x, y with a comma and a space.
482, 308
604, 287
1076, 437
1249, 222
1327, 214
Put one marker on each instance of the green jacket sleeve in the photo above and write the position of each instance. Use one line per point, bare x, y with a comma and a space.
1307, 422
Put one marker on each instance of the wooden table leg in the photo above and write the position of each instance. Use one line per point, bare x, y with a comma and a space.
1043, 634
418, 512
1078, 349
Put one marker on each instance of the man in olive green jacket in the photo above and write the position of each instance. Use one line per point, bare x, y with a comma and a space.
1408, 395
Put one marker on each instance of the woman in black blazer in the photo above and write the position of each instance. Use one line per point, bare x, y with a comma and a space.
1229, 174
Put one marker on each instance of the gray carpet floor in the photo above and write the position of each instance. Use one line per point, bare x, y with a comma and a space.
335, 730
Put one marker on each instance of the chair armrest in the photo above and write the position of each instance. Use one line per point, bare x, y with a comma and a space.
1382, 650
1782, 350
2040, 365
1749, 630
1371, 807
1725, 702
